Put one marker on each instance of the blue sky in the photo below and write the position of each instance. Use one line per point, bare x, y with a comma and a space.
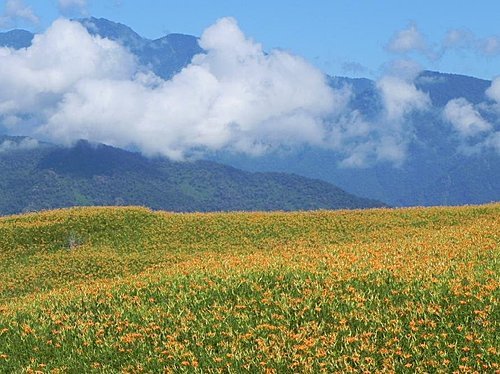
342, 37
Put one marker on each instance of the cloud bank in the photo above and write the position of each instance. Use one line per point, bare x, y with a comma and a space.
70, 85
34, 82
234, 96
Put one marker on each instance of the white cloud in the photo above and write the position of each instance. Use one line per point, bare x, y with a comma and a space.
405, 69
401, 97
392, 132
408, 40
411, 40
474, 131
24, 144
465, 119
493, 92
363, 143
466, 40
34, 80
490, 46
70, 85
459, 38
493, 141
385, 138
233, 97
17, 10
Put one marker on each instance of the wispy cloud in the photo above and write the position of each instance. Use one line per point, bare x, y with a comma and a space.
15, 11
466, 40
401, 97
363, 142
411, 40
353, 67
474, 132
24, 144
407, 40
404, 68
68, 6
465, 118
493, 92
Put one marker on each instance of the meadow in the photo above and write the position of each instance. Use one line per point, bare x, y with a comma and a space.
132, 290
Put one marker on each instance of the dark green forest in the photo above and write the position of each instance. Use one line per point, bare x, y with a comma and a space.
50, 176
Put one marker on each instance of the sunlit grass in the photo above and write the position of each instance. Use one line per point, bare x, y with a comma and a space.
128, 289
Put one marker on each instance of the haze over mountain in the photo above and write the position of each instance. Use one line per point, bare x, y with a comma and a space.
410, 138
441, 166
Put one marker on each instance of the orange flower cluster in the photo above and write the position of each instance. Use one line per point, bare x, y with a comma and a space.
131, 290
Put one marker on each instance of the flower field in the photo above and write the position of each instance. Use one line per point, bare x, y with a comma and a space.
131, 290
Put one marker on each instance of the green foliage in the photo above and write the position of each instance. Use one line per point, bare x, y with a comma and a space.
50, 177
408, 290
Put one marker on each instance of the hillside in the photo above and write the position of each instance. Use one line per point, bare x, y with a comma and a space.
44, 176
128, 289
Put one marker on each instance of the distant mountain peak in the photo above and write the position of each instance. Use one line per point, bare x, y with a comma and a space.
443, 87
166, 55
114, 31
104, 23
16, 39
433, 73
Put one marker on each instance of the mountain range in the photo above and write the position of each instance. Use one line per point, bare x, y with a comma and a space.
435, 172
36, 176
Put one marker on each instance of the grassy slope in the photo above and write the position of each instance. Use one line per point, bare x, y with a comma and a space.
128, 289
